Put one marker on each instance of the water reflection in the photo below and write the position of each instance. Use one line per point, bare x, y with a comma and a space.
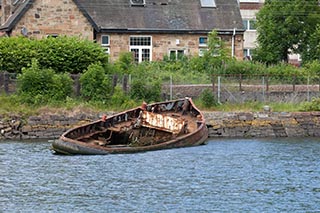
258, 175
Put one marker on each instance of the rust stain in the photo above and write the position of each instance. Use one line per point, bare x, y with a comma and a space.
162, 122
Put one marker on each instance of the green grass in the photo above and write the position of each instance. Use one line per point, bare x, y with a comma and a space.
253, 107
12, 105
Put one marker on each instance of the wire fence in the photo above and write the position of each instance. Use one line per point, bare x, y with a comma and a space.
226, 88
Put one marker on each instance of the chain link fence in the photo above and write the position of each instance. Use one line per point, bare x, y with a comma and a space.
226, 88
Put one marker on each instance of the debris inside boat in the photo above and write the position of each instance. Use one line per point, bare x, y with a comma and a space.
162, 125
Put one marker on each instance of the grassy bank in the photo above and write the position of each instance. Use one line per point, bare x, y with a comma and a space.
12, 105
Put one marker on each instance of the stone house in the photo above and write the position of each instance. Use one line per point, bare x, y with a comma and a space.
150, 29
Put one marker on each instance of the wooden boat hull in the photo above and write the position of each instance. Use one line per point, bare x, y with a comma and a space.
75, 141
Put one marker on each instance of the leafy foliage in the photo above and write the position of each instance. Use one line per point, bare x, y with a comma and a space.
313, 51
314, 105
41, 86
285, 27
207, 99
147, 91
95, 84
62, 54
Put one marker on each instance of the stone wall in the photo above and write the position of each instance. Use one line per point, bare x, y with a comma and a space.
163, 43
221, 124
263, 124
54, 18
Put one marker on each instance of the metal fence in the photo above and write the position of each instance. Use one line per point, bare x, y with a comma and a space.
226, 88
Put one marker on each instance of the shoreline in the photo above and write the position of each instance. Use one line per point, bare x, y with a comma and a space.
220, 125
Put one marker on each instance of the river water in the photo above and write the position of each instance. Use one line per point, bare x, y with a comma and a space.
233, 175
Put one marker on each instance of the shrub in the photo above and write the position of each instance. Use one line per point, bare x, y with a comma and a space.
207, 98
41, 86
314, 105
95, 84
62, 54
144, 90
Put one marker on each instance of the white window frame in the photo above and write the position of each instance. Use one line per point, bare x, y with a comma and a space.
256, 1
202, 51
208, 3
248, 25
248, 55
176, 50
53, 35
105, 44
203, 44
141, 47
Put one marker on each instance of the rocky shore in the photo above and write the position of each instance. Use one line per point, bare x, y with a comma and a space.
220, 124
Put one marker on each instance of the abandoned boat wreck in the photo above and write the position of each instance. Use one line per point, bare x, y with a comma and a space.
163, 125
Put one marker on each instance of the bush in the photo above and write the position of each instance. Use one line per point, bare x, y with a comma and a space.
146, 90
207, 99
314, 105
62, 54
41, 86
95, 84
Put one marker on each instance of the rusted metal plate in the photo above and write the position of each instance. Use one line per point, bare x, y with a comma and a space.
162, 122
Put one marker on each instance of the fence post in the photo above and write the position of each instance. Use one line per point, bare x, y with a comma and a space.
240, 82
1, 80
77, 84
114, 82
219, 85
267, 83
125, 84
263, 92
294, 83
308, 96
171, 93
213, 84
6, 82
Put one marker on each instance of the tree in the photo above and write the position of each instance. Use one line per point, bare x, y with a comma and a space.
312, 51
284, 27
215, 58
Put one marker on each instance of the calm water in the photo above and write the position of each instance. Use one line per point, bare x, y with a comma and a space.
258, 175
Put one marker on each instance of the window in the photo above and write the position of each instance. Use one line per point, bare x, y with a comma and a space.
107, 50
247, 54
257, 1
140, 46
202, 51
50, 35
208, 3
249, 24
137, 2
105, 41
176, 54
203, 41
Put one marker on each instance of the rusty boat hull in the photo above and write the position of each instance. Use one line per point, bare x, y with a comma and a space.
162, 125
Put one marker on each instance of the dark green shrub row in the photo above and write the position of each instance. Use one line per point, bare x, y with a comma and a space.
39, 86
61, 54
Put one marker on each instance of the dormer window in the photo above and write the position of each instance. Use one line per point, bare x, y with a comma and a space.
208, 3
137, 2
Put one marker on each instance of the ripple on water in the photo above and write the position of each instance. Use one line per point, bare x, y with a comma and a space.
235, 175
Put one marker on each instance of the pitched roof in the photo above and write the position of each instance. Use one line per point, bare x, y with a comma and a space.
19, 11
163, 15
155, 16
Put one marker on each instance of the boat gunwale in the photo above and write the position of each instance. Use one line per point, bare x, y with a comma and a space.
128, 149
